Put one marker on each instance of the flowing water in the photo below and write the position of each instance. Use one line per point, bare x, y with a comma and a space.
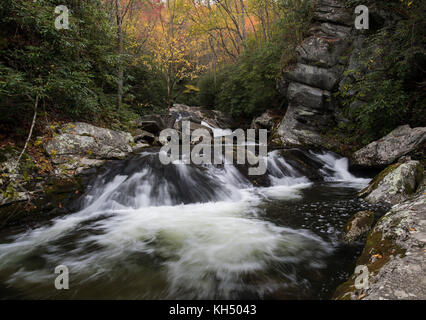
150, 231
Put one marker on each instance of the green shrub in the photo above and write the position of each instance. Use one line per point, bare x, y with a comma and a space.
391, 77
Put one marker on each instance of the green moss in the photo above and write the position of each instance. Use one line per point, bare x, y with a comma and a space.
377, 179
384, 247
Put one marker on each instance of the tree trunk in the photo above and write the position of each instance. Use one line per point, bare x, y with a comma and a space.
120, 71
30, 134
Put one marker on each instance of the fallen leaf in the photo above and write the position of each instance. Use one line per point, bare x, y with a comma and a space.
412, 229
361, 296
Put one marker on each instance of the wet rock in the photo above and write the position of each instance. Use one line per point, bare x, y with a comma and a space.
144, 136
139, 146
264, 121
152, 123
300, 126
85, 140
387, 150
192, 126
214, 118
358, 226
394, 255
394, 184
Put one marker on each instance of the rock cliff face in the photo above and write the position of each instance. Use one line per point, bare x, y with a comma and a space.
310, 83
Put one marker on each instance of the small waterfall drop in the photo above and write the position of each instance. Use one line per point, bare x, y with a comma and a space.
176, 231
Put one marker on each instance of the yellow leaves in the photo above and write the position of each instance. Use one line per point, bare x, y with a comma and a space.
378, 256
53, 152
189, 88
89, 152
38, 142
412, 229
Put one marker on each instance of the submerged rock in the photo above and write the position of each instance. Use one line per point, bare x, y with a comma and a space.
394, 184
357, 226
387, 150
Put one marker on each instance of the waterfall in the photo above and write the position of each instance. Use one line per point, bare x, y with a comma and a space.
176, 231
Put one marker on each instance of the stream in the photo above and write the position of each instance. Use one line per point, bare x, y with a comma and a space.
152, 231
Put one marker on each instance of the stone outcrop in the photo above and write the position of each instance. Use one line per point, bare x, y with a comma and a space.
387, 150
359, 224
394, 255
214, 118
265, 121
152, 123
85, 140
395, 184
309, 83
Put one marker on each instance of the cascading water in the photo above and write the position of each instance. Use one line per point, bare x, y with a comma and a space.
148, 230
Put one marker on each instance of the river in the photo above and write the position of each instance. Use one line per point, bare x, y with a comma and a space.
152, 231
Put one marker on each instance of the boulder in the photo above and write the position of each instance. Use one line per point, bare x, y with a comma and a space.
308, 96
152, 123
300, 126
85, 140
264, 121
192, 126
357, 226
333, 11
144, 136
394, 255
395, 184
214, 118
387, 150
330, 30
320, 51
317, 77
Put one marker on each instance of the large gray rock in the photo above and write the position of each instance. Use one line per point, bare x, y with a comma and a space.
394, 255
394, 184
333, 11
264, 121
330, 30
308, 96
320, 51
387, 150
85, 140
144, 136
152, 123
214, 118
299, 126
322, 78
